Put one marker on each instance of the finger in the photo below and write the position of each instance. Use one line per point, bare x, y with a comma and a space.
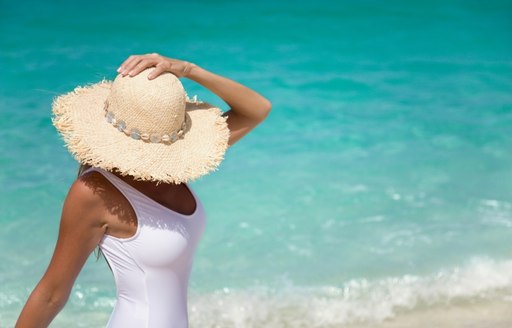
130, 69
137, 65
124, 63
131, 65
160, 68
127, 63
142, 65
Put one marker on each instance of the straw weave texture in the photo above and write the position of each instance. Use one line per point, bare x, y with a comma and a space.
151, 105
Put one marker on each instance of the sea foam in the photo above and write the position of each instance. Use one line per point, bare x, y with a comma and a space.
356, 301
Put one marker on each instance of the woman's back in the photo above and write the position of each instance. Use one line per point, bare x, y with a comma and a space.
144, 125
151, 268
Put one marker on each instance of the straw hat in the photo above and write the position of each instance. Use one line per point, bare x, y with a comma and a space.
148, 129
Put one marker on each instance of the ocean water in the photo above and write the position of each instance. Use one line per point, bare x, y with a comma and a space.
377, 192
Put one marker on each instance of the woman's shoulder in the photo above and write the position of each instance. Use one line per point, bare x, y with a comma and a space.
89, 190
84, 206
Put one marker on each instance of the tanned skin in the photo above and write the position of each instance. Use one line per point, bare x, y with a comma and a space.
93, 207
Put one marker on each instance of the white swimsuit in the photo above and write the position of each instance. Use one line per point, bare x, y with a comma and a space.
151, 269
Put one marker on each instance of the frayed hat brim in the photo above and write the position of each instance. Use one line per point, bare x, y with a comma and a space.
79, 117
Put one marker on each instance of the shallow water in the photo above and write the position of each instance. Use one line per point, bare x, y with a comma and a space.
378, 186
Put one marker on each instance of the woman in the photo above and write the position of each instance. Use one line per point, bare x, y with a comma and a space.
140, 139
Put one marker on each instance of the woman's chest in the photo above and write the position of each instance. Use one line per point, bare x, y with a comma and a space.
161, 238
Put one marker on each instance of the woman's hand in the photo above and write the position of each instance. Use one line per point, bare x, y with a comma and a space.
248, 108
137, 63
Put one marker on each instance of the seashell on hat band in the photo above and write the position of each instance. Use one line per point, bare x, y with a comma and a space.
148, 129
144, 136
154, 114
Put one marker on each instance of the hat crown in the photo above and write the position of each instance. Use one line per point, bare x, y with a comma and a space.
151, 106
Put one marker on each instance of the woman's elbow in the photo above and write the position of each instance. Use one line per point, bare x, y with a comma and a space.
53, 298
265, 109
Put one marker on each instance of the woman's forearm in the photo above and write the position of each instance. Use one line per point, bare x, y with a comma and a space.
246, 103
248, 108
39, 311
241, 99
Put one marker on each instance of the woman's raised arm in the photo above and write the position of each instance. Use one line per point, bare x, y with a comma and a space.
247, 107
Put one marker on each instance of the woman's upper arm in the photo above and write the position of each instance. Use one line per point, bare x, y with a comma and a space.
240, 125
80, 231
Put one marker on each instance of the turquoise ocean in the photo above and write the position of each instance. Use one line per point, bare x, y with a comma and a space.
378, 191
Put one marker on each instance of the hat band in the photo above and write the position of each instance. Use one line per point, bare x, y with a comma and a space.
153, 137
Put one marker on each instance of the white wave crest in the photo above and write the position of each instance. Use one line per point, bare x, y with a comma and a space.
357, 301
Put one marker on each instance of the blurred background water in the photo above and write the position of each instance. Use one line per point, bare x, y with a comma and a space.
380, 183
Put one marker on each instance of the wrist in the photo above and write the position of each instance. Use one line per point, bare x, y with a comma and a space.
189, 69
196, 73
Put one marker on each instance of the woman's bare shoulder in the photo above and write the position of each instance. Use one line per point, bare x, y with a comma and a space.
89, 190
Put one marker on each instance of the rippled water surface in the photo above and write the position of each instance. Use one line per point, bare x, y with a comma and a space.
379, 185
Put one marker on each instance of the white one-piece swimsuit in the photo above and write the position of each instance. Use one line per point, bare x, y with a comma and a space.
151, 268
